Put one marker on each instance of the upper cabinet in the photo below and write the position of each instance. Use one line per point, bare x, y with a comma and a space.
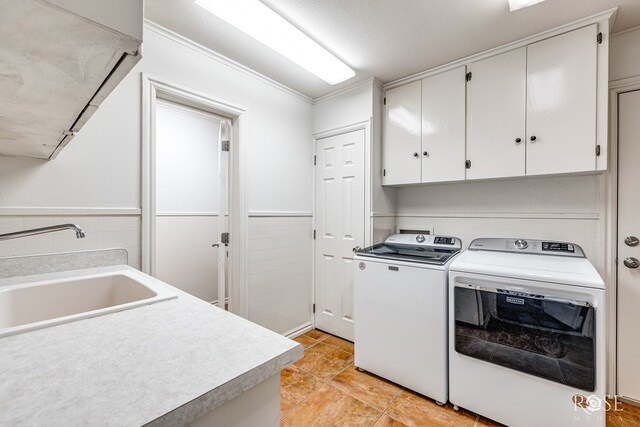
443, 126
561, 103
536, 107
425, 130
60, 60
496, 115
402, 135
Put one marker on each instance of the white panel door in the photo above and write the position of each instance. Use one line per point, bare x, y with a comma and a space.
339, 228
496, 115
443, 126
628, 226
561, 103
402, 135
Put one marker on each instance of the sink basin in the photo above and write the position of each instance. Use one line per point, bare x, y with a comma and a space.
37, 305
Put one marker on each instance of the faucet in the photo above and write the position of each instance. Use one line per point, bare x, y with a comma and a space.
43, 230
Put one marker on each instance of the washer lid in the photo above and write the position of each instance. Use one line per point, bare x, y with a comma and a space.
576, 271
424, 249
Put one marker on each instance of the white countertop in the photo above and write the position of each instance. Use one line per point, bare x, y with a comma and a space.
166, 364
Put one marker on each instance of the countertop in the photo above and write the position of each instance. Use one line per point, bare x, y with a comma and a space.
161, 364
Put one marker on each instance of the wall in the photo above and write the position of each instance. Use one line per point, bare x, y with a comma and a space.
358, 104
100, 168
624, 55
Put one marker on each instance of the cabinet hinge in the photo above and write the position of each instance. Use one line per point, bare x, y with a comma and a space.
384, 100
225, 145
313, 308
468, 76
384, 172
314, 234
315, 159
599, 38
467, 164
598, 150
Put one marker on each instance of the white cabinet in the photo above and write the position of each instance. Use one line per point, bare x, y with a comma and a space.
425, 130
496, 115
537, 107
402, 135
443, 126
561, 103
558, 77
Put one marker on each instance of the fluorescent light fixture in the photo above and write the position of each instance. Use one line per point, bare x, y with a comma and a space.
269, 28
520, 4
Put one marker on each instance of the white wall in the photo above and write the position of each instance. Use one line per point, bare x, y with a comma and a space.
624, 55
100, 168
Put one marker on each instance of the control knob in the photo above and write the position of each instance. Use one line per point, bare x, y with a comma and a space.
521, 244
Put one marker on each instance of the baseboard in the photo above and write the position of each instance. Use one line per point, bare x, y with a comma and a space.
296, 332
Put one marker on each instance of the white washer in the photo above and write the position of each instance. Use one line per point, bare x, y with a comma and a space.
400, 311
527, 333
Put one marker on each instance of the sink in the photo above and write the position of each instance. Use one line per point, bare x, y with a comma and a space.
37, 305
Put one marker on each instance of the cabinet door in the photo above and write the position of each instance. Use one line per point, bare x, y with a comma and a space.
561, 103
443, 126
496, 110
402, 135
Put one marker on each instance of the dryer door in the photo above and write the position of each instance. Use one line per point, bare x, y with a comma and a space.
544, 335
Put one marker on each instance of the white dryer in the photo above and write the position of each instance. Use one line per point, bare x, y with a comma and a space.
400, 311
527, 333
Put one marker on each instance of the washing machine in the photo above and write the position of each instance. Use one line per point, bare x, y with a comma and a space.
400, 311
527, 333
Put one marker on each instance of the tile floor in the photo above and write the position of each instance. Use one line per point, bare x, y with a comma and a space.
325, 389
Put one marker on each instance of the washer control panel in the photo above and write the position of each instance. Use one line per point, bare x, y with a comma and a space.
528, 246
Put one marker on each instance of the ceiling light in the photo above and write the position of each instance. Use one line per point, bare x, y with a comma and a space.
269, 28
520, 4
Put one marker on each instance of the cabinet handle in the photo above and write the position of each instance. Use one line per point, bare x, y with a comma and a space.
416, 155
518, 140
425, 153
533, 138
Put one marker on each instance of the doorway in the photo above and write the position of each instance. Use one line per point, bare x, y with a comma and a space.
191, 200
232, 121
340, 228
628, 247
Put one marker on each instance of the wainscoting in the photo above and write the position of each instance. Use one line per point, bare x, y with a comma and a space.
104, 228
280, 270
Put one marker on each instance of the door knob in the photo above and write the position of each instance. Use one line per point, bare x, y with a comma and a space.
631, 262
216, 245
425, 153
631, 241
533, 138
518, 140
416, 155
356, 249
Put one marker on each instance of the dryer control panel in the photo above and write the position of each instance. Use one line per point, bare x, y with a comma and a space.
528, 246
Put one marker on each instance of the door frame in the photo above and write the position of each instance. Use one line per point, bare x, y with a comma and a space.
368, 220
609, 190
154, 88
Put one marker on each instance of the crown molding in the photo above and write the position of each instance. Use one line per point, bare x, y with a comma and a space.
371, 81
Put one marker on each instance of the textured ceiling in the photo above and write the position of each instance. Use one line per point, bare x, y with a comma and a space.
388, 39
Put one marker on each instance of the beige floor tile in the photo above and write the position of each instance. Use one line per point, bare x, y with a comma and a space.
624, 415
416, 410
343, 345
317, 335
305, 340
386, 421
324, 361
295, 386
329, 407
372, 390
